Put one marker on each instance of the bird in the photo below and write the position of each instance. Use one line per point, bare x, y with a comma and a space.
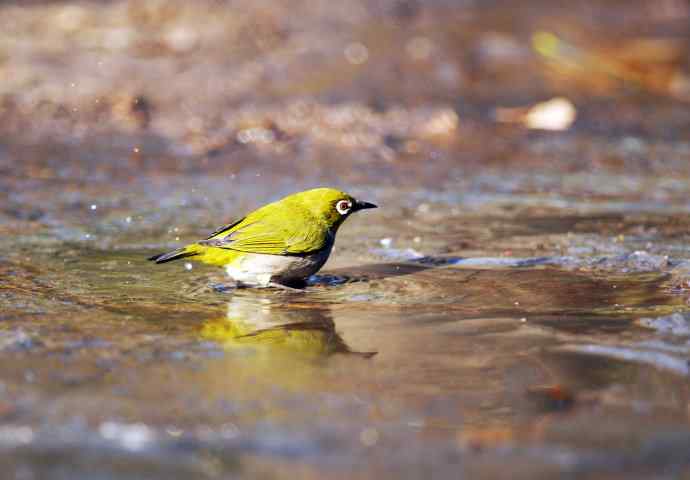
278, 245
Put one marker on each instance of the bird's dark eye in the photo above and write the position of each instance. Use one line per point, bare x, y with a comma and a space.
343, 207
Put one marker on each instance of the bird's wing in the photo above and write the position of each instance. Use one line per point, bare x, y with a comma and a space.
270, 235
225, 228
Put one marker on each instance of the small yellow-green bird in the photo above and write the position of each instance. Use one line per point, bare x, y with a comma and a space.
278, 245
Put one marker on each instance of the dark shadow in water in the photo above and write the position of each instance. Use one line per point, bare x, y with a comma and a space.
372, 271
380, 271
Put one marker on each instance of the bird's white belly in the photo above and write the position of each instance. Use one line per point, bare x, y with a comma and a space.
259, 269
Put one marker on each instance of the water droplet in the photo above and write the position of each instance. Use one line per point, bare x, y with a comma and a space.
188, 266
131, 436
356, 53
256, 135
174, 431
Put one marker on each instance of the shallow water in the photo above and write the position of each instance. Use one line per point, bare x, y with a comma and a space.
388, 361
517, 306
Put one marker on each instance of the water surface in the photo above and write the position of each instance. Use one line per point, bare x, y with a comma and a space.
517, 306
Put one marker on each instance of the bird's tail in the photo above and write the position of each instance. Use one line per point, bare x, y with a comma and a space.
184, 252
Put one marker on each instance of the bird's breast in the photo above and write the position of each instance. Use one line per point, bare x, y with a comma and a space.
257, 268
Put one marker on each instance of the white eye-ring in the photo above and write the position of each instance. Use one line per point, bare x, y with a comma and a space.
343, 207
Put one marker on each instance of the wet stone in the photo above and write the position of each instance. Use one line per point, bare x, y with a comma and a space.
18, 340
675, 324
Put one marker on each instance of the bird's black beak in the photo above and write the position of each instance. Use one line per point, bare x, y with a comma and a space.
362, 205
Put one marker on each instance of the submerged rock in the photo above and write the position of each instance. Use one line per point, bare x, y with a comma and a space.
17, 340
675, 324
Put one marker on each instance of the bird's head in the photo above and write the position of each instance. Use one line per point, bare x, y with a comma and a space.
331, 205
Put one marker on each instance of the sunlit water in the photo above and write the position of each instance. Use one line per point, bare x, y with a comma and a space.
401, 354
516, 308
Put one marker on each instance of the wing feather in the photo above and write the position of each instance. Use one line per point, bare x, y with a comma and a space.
225, 228
271, 234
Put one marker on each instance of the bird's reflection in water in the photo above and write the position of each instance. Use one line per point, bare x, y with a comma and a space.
272, 326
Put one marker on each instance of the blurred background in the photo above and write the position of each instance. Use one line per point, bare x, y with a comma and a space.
517, 305
393, 91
